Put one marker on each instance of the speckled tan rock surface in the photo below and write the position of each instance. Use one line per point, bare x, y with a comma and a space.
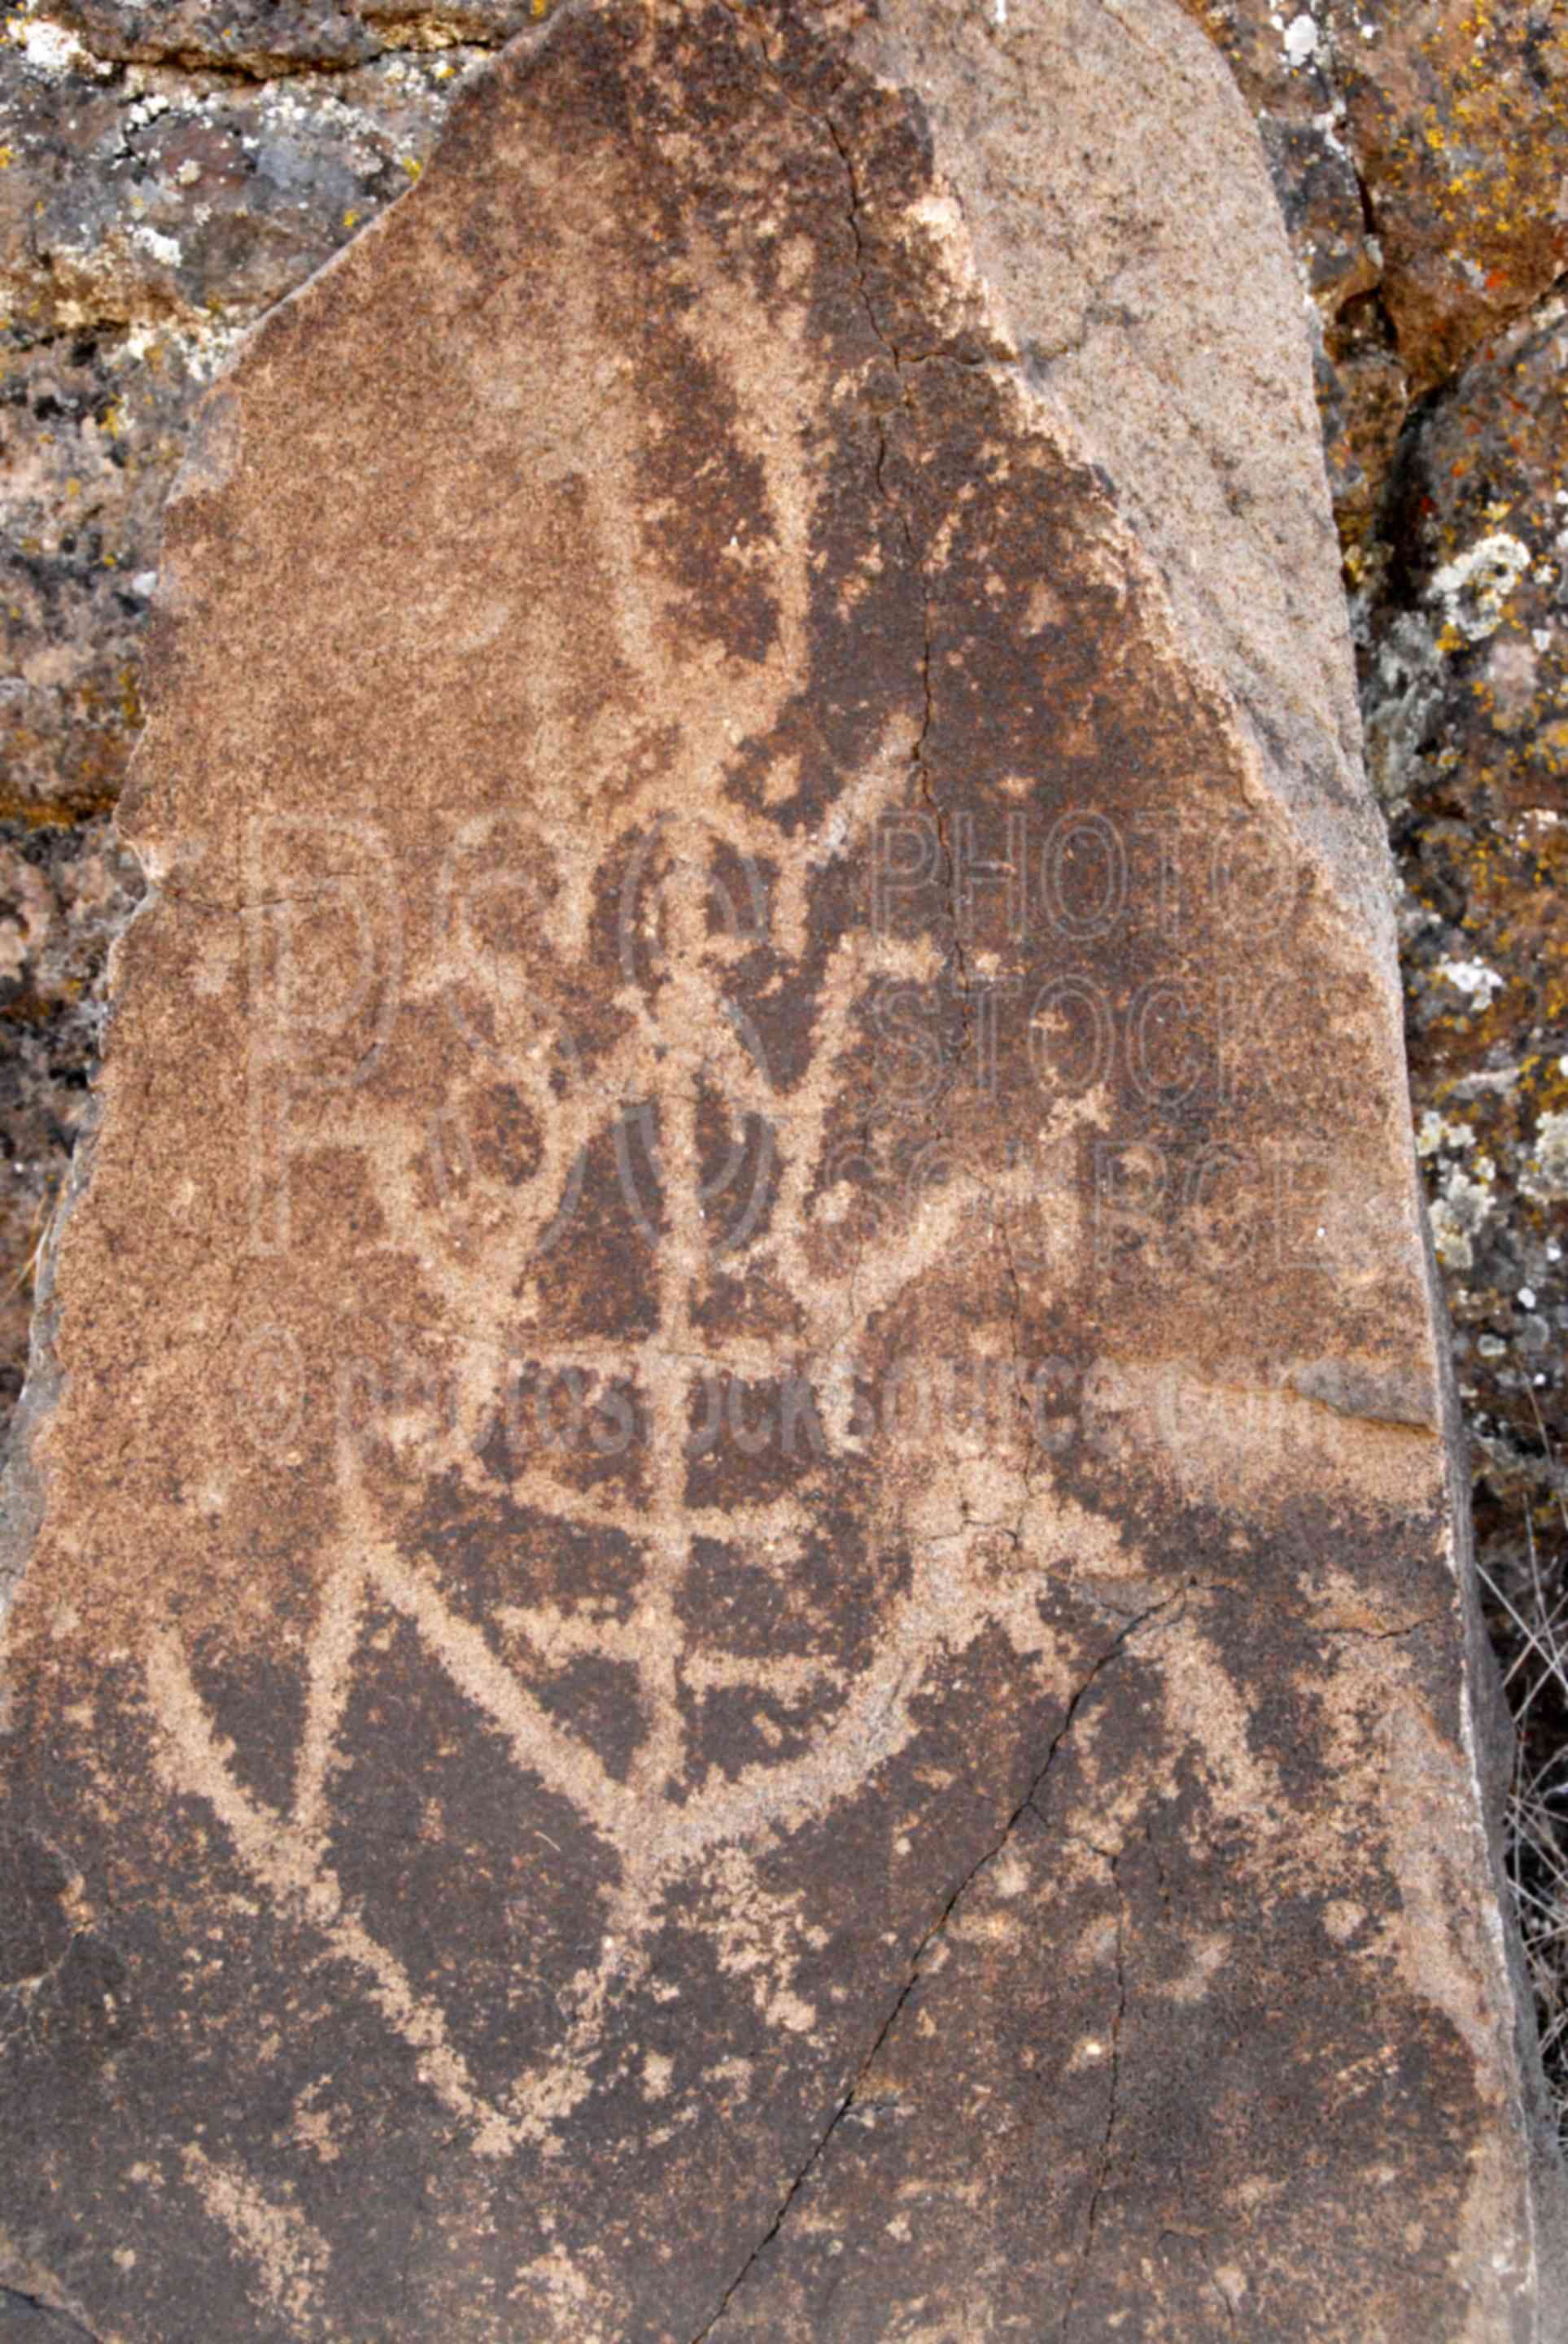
743, 1607
167, 175
168, 172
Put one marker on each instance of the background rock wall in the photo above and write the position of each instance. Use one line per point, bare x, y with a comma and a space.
168, 171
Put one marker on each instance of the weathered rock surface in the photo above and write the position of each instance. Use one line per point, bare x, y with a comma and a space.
1465, 684
166, 175
1419, 148
742, 1608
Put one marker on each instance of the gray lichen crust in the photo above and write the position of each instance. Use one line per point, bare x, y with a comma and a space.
748, 1612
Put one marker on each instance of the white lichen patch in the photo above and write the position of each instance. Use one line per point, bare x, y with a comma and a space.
1473, 588
1458, 1212
50, 48
1301, 41
1471, 977
1438, 1137
164, 248
1547, 1173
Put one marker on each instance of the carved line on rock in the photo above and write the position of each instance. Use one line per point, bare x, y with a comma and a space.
945, 1603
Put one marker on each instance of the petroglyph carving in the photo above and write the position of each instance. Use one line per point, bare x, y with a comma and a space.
745, 1616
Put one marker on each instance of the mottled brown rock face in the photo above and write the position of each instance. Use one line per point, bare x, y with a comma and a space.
744, 1612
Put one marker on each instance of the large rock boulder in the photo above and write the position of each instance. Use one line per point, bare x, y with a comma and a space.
740, 1604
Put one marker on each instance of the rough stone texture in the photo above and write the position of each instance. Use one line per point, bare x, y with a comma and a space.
62, 892
155, 199
170, 171
1465, 694
146, 218
539, 1799
1290, 71
1420, 153
1117, 264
